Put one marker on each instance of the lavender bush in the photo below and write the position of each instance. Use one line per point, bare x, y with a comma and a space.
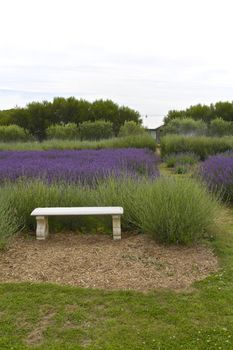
226, 154
217, 172
85, 166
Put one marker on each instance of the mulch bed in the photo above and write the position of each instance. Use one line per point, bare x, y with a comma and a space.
96, 261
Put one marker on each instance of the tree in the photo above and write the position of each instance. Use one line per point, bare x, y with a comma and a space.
173, 114
39, 119
38, 116
6, 117
21, 117
126, 114
224, 110
206, 113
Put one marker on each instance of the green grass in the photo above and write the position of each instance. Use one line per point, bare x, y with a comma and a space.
172, 210
8, 225
45, 316
139, 141
185, 159
202, 146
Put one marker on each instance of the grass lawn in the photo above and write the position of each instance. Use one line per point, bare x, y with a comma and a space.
45, 316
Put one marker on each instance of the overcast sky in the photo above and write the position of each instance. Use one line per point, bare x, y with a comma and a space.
151, 55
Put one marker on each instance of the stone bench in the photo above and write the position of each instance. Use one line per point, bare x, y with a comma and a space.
41, 214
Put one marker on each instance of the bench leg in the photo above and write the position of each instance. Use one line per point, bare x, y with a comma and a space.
42, 227
116, 226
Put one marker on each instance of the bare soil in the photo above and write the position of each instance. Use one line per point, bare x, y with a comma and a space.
96, 261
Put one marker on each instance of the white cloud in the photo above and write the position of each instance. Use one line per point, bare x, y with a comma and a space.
153, 55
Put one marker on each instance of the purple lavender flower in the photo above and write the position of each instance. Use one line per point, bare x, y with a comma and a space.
86, 166
217, 172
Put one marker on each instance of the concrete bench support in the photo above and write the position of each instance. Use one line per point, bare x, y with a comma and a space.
116, 227
41, 214
42, 227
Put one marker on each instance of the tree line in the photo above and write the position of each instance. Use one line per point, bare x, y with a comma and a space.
207, 113
190, 127
37, 117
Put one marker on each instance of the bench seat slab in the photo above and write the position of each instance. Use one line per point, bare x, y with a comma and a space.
77, 211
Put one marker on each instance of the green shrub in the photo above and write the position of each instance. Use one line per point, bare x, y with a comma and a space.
170, 160
220, 127
144, 141
181, 159
176, 210
98, 130
171, 210
9, 224
202, 146
181, 169
131, 128
63, 131
11, 133
185, 126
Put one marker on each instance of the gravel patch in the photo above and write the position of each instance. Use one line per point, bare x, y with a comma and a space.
96, 261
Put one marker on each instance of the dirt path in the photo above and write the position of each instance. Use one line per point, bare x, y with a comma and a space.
96, 261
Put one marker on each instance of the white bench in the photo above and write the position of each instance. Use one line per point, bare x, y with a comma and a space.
41, 214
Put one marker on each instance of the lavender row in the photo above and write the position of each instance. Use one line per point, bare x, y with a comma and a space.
73, 166
217, 172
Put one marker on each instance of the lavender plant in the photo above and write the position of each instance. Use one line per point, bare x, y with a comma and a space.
85, 166
217, 172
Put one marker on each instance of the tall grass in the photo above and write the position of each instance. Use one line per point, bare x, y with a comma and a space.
202, 146
142, 141
9, 224
185, 159
177, 210
171, 210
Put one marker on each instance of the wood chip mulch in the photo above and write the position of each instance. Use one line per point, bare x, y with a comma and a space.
96, 261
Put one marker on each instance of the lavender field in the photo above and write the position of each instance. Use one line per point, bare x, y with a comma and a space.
71, 166
217, 172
